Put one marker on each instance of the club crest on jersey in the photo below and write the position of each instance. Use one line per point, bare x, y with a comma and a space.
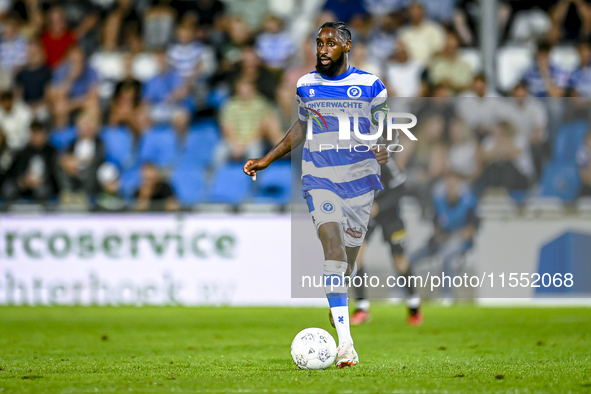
354, 92
327, 207
312, 93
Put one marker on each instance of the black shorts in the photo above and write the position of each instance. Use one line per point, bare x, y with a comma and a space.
389, 219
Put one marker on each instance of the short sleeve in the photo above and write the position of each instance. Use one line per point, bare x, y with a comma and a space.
302, 111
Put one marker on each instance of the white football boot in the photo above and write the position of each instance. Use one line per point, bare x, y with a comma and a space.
346, 356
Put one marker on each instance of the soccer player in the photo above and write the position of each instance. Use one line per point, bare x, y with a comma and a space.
385, 213
338, 184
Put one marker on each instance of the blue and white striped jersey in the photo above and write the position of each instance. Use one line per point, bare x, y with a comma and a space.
345, 167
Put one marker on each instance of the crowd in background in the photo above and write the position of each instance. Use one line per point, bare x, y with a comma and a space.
140, 104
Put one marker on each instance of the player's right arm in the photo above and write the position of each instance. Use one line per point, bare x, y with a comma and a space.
294, 137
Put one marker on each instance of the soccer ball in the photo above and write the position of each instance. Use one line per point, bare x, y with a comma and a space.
313, 348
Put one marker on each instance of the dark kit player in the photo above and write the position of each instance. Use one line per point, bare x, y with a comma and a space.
385, 213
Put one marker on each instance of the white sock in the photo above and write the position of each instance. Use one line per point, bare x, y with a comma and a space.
340, 315
363, 305
336, 292
413, 302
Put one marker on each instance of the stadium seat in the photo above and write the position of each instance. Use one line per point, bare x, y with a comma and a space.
108, 65
567, 141
473, 57
230, 185
159, 146
512, 61
130, 182
188, 185
144, 66
118, 143
560, 180
566, 57
60, 139
274, 185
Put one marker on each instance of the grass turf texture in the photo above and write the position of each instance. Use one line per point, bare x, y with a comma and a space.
175, 349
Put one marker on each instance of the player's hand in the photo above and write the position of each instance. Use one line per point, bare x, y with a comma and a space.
254, 165
381, 154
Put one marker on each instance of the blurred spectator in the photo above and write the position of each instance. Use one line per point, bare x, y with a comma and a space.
449, 68
403, 75
166, 90
544, 78
81, 160
35, 169
251, 69
584, 162
464, 156
571, 19
379, 8
274, 45
122, 25
345, 10
109, 197
58, 38
190, 58
454, 227
253, 12
154, 193
422, 38
13, 47
530, 118
207, 11
74, 86
247, 120
426, 158
360, 60
381, 42
125, 105
237, 34
34, 79
441, 11
7, 157
479, 108
580, 78
159, 24
507, 160
15, 120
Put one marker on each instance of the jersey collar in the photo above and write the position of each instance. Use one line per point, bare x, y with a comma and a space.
340, 76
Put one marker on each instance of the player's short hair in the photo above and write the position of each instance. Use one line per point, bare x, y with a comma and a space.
344, 33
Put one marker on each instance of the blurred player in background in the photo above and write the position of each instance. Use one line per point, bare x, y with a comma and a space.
338, 185
385, 213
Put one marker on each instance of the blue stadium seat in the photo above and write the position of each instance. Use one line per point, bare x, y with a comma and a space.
274, 184
230, 185
118, 143
60, 139
188, 185
567, 140
160, 146
560, 180
130, 182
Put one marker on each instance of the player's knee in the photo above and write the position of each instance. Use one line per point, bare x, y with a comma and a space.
334, 250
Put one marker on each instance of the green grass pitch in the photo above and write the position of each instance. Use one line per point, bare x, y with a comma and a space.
235, 350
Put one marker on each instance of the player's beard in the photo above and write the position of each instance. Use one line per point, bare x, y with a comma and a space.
331, 69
